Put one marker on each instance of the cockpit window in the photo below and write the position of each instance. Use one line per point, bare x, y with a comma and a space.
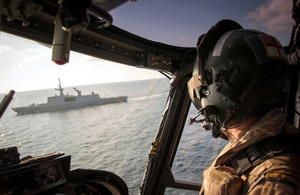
114, 137
196, 151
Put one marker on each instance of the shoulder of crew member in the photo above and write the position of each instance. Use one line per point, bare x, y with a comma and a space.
278, 175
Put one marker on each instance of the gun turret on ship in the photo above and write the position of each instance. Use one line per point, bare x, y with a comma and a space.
66, 102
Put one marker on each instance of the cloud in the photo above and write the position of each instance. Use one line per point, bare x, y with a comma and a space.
31, 57
274, 15
4, 48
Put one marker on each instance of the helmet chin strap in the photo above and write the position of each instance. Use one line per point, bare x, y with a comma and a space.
216, 126
207, 123
217, 131
235, 112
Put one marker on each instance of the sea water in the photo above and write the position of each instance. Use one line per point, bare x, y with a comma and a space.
113, 137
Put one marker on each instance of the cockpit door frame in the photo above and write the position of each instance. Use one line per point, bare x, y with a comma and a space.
158, 175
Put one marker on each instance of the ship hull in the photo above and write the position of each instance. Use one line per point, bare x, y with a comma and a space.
39, 108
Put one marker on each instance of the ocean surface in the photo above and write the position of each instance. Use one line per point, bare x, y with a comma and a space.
113, 137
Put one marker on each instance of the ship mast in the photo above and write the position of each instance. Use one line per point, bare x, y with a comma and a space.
61, 93
78, 91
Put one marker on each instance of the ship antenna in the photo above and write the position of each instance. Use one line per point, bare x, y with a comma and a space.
61, 93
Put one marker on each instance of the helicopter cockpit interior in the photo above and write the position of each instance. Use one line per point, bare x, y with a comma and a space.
87, 27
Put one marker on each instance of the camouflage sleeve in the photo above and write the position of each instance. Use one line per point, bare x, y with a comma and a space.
278, 179
294, 58
278, 175
273, 186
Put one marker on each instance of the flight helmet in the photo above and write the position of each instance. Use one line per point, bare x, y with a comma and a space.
241, 74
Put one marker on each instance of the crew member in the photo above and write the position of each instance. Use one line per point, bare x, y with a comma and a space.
293, 56
293, 49
240, 87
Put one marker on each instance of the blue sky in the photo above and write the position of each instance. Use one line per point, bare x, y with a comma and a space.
26, 65
180, 22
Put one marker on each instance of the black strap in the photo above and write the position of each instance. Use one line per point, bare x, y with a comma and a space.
263, 150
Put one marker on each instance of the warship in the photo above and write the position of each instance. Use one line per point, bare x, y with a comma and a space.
66, 102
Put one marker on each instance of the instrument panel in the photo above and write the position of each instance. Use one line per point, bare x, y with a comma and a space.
34, 175
50, 174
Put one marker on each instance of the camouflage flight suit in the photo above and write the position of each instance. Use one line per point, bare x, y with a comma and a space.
277, 175
293, 49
